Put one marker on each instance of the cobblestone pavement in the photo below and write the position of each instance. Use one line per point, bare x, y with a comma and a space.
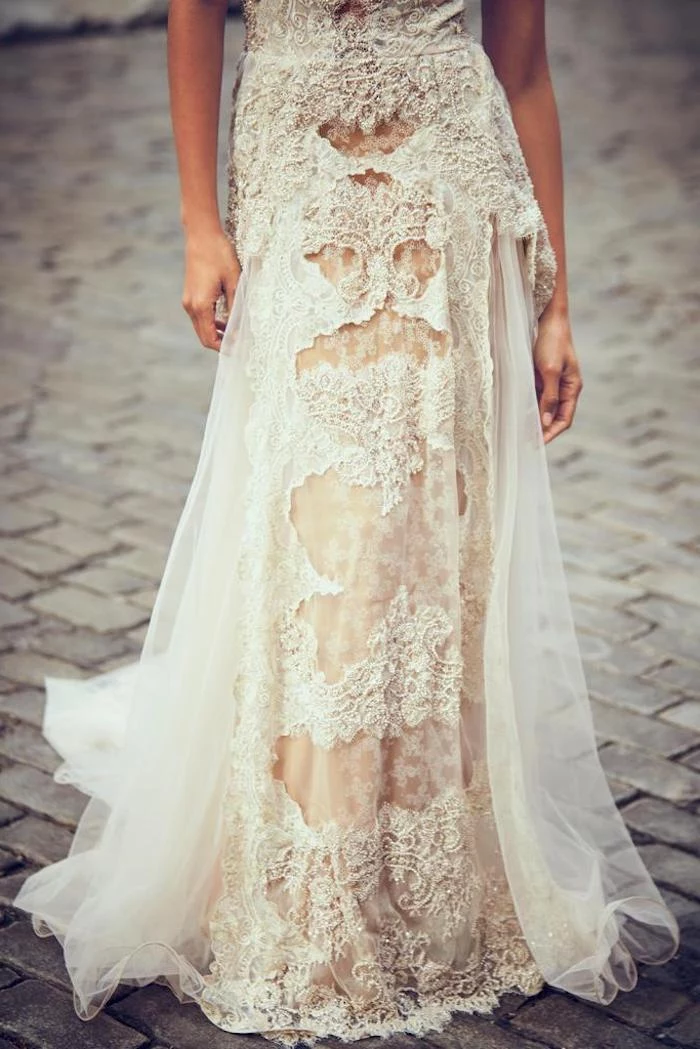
103, 396
25, 18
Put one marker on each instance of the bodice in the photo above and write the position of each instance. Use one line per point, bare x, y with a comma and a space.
332, 29
412, 82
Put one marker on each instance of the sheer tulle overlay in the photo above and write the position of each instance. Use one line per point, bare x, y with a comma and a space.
352, 785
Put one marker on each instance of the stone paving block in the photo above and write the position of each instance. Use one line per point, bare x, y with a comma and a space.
669, 528
29, 788
157, 1010
686, 714
84, 609
651, 774
692, 761
681, 678
615, 564
181, 467
138, 479
82, 646
665, 822
507, 1007
4, 1044
631, 659
144, 562
680, 586
11, 884
24, 705
39, 956
689, 924
144, 599
467, 1032
7, 978
668, 613
24, 743
8, 813
687, 1030
82, 542
678, 869
45, 1017
659, 555
146, 508
37, 840
643, 697
19, 482
78, 509
648, 1006
682, 906
12, 615
611, 623
622, 726
138, 636
621, 792
674, 644
8, 861
105, 580
594, 652
150, 534
16, 519
561, 1021
38, 558
115, 664
29, 668
681, 972
599, 590
14, 583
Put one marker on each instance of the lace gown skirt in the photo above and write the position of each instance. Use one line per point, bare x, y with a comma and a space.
352, 784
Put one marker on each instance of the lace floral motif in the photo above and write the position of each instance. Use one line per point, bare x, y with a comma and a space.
374, 421
410, 673
363, 889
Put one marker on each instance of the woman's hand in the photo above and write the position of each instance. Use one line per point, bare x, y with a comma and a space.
557, 375
211, 267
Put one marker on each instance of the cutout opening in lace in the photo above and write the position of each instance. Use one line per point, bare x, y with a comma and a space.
355, 8
371, 178
386, 331
350, 783
418, 263
386, 136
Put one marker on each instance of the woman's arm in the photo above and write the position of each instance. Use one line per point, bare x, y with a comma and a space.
195, 60
514, 38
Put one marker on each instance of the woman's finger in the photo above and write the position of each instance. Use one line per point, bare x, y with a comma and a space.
230, 285
569, 391
549, 395
205, 326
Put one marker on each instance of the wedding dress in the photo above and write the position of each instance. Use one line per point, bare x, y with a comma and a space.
352, 786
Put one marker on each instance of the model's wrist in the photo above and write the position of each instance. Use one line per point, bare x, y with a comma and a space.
201, 226
556, 311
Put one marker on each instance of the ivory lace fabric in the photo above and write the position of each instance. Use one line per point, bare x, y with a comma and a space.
352, 786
